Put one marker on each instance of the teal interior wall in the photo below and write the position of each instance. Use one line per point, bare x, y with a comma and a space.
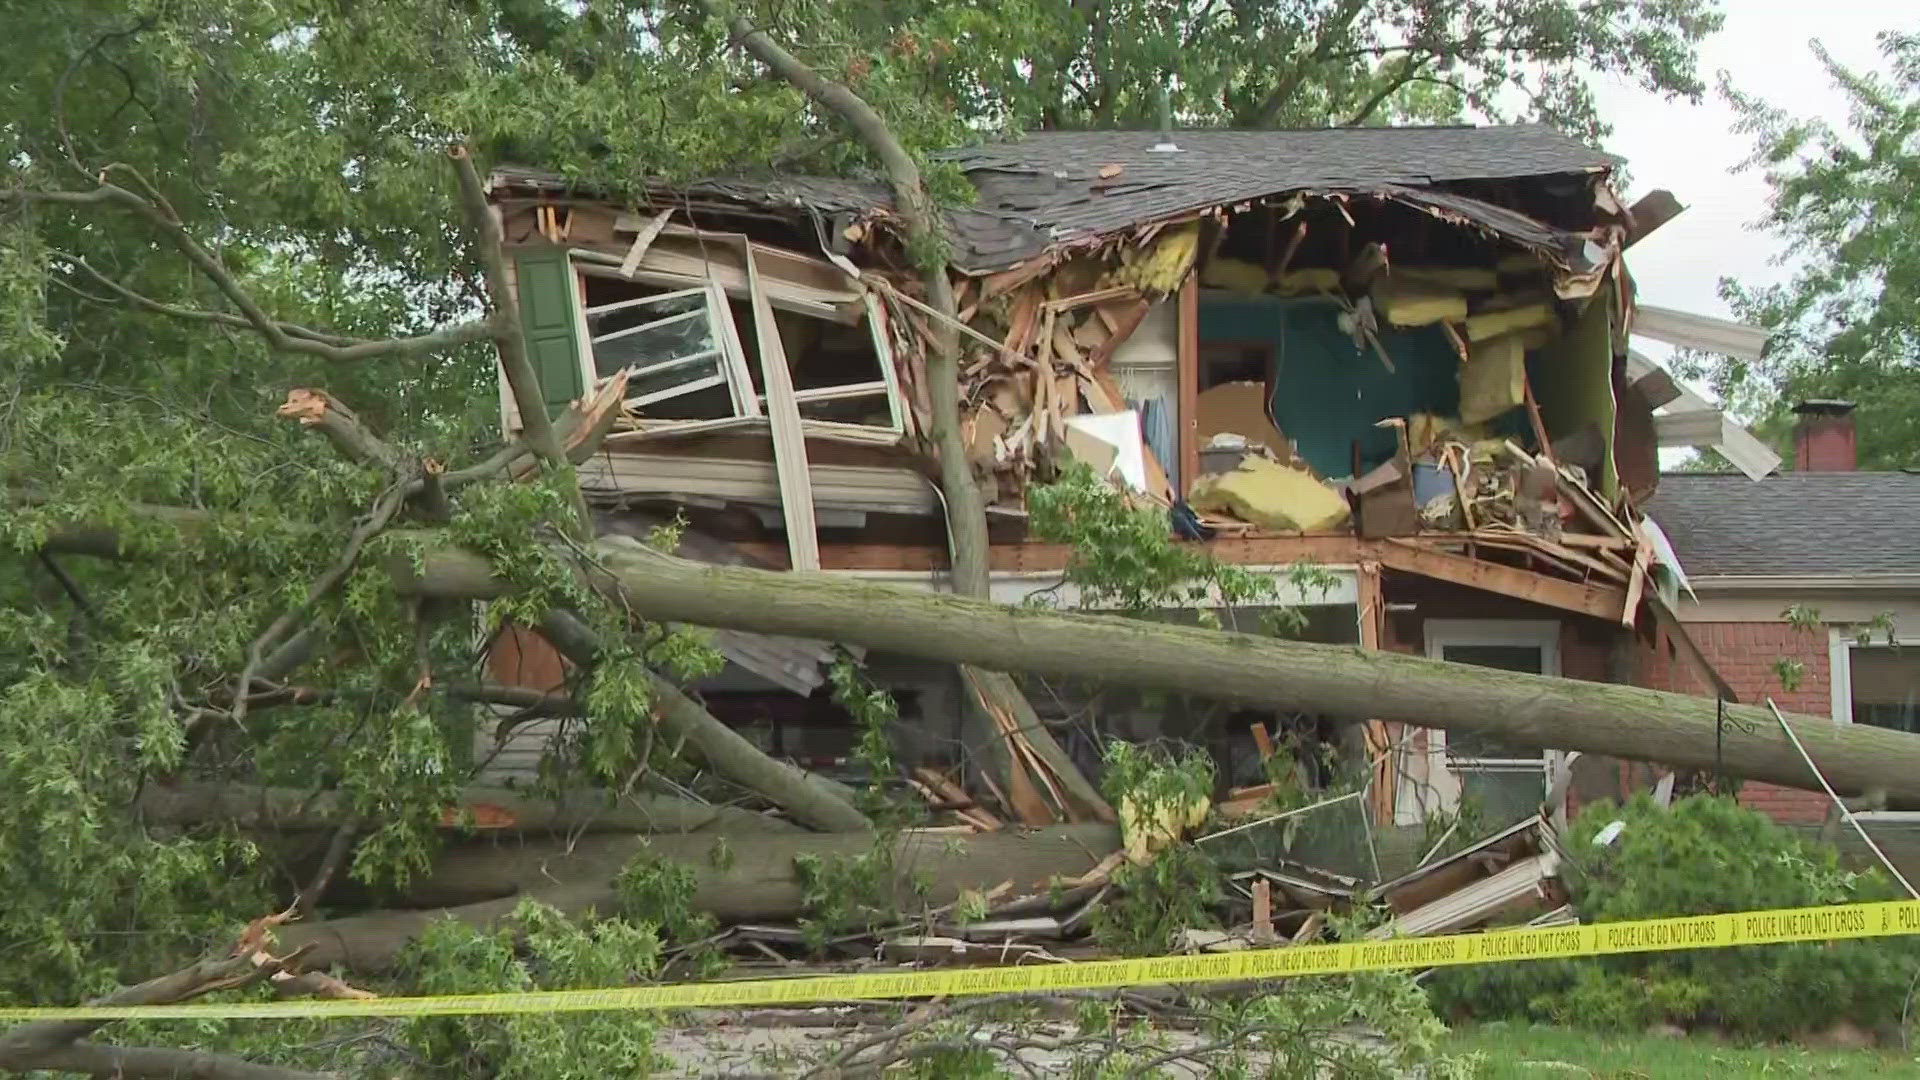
1325, 393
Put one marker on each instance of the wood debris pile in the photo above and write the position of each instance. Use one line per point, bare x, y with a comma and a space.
1040, 355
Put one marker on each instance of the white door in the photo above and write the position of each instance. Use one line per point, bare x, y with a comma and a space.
1507, 782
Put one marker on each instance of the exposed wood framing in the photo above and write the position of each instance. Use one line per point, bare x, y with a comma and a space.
789, 443
1379, 736
1189, 375
1598, 601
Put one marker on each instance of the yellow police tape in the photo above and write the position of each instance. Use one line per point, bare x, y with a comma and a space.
1499, 946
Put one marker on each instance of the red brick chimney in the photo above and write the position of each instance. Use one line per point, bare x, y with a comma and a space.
1823, 436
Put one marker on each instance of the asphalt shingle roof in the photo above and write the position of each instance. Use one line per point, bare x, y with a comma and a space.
1792, 524
1054, 178
1046, 188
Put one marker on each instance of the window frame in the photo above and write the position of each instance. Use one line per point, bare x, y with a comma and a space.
748, 402
1840, 646
732, 361
1543, 634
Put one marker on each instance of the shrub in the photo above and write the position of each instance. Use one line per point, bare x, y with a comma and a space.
1704, 855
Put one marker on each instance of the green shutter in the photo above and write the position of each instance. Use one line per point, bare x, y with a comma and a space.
547, 318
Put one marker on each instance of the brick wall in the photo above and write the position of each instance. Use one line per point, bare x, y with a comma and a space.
1744, 653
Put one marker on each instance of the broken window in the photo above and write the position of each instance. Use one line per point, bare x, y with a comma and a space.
690, 353
670, 345
841, 372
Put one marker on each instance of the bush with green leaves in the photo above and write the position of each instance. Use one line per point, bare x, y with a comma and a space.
538, 949
1175, 889
1704, 855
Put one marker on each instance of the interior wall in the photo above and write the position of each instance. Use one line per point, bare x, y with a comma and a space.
1146, 368
1326, 394
1572, 380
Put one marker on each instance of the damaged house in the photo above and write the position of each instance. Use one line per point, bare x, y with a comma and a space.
1398, 354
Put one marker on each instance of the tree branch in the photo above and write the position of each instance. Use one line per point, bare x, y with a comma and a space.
315, 408
444, 338
162, 1063
522, 379
279, 335
1410, 67
1337, 25
23, 1047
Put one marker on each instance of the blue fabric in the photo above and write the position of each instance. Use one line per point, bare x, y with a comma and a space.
1157, 429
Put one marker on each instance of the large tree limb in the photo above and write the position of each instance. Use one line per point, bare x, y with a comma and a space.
484, 883
161, 1063
491, 810
927, 242
1532, 710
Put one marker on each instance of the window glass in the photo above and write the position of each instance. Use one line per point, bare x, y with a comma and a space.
1523, 658
1886, 686
669, 343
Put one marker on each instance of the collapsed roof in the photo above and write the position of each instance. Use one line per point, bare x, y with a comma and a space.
1064, 186
1052, 189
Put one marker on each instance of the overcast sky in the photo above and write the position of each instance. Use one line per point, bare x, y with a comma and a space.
1691, 150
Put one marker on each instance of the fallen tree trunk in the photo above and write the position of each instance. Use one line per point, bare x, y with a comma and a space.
482, 883
490, 810
1533, 710
814, 800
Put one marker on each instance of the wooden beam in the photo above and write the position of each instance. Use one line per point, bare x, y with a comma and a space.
789, 441
1594, 600
1328, 550
1188, 365
1378, 737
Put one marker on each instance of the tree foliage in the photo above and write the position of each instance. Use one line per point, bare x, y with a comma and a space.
1846, 201
285, 178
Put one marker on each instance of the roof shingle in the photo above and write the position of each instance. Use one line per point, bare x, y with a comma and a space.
1792, 524
1054, 178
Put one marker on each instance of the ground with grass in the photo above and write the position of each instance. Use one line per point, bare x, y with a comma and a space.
1530, 1052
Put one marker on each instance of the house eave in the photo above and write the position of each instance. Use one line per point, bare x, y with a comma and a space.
1798, 583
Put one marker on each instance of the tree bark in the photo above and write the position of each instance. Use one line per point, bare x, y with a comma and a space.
162, 1063
926, 243
814, 800
485, 882
1533, 710
491, 810
53, 1044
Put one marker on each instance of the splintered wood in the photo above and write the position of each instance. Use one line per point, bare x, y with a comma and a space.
1039, 346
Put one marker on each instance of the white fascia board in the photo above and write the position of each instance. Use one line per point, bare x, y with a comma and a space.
1734, 442
1800, 583
1706, 333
